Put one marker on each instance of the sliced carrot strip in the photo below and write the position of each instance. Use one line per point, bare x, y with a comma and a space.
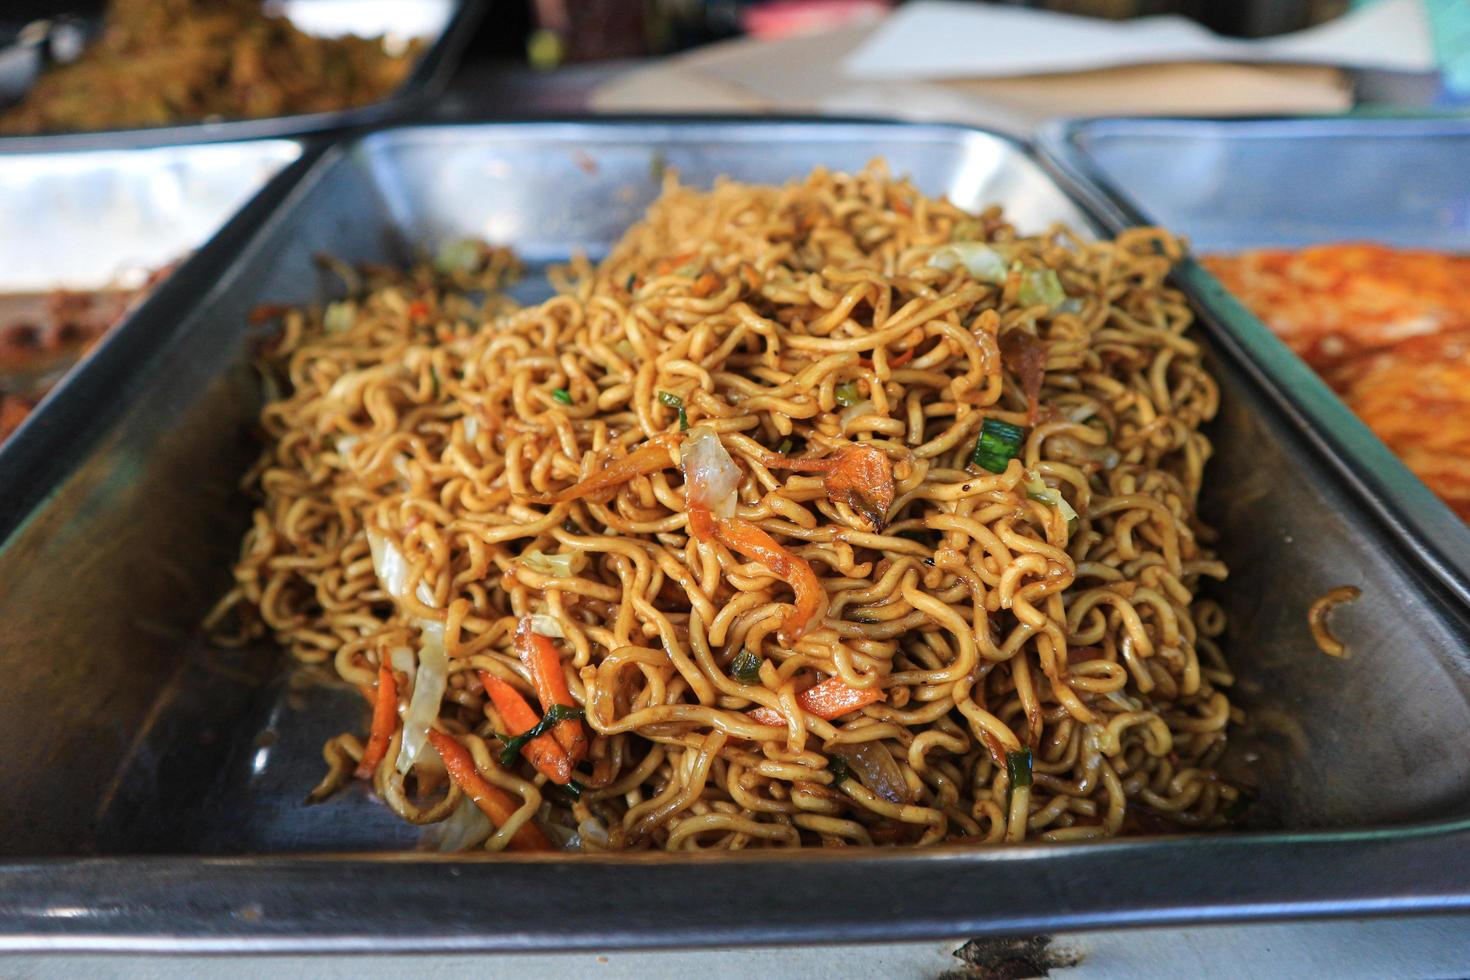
829, 700
862, 479
494, 802
742, 536
543, 752
701, 522
650, 457
385, 722
667, 265
858, 475
539, 655
706, 284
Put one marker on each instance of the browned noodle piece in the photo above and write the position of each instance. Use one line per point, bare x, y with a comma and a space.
1319, 613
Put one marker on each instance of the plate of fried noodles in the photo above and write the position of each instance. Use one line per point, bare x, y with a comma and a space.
817, 515
161, 62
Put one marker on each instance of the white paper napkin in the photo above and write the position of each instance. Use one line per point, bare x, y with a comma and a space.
933, 39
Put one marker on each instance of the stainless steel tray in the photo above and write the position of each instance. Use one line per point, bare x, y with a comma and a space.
81, 219
1233, 184
444, 27
154, 786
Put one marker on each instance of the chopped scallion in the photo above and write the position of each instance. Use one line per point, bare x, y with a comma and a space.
434, 377
786, 446
999, 443
670, 399
513, 746
746, 667
562, 395
683, 420
847, 394
1018, 767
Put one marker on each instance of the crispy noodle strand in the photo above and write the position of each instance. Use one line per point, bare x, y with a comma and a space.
990, 622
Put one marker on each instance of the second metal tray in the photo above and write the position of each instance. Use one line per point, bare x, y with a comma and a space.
90, 219
1248, 183
158, 783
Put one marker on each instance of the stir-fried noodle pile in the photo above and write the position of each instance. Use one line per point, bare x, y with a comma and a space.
820, 514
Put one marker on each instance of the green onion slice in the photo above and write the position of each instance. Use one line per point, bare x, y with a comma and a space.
1018, 766
999, 443
847, 394
746, 667
513, 746
562, 395
670, 399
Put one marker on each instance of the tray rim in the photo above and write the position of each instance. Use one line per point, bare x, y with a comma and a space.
285, 903
282, 902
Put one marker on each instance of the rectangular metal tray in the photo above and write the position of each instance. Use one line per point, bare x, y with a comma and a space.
444, 27
80, 219
1245, 183
154, 786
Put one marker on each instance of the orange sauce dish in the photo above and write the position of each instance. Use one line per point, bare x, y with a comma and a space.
1389, 330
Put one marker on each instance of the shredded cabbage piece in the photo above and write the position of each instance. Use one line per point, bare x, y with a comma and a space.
430, 683
338, 317
1036, 489
980, 260
431, 679
1041, 287
547, 626
557, 566
464, 828
711, 476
